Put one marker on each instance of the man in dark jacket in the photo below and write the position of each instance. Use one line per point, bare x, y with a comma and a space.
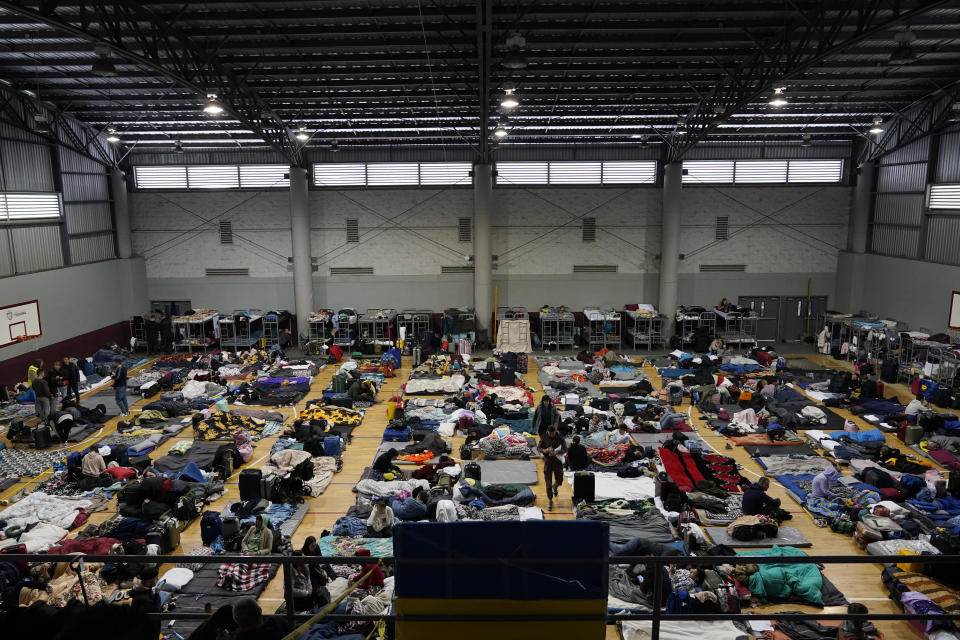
71, 373
166, 333
756, 502
553, 448
577, 458
544, 416
144, 599
153, 334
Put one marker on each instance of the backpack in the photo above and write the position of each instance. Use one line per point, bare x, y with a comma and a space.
188, 507
339, 383
678, 602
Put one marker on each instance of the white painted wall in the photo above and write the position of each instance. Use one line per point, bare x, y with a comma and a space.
407, 235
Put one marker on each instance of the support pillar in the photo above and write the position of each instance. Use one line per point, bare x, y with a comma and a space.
302, 254
670, 243
860, 206
121, 213
482, 251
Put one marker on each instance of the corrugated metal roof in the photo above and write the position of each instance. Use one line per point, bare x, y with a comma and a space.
943, 239
37, 248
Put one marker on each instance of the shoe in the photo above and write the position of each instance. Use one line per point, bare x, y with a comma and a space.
550, 505
556, 492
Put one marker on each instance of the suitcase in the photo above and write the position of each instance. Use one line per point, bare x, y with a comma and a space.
888, 371
584, 486
417, 356
332, 446
676, 395
229, 526
339, 384
251, 484
268, 486
880, 388
913, 434
210, 526
41, 437
472, 470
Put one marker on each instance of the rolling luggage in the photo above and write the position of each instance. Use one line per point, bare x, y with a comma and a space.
229, 527
472, 470
210, 526
888, 371
417, 356
339, 384
913, 434
676, 395
584, 486
251, 484
41, 437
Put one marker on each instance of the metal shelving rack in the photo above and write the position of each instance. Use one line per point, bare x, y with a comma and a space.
321, 328
273, 323
836, 326
345, 332
690, 323
604, 331
375, 325
512, 313
200, 333
242, 329
415, 324
138, 331
737, 328
557, 327
645, 331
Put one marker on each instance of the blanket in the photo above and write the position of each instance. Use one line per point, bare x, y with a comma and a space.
41, 507
333, 546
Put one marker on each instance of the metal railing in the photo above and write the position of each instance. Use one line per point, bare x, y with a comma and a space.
656, 615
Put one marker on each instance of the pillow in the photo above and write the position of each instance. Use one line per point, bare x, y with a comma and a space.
176, 579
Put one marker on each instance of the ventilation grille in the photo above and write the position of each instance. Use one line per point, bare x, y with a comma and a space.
228, 271
762, 171
460, 269
815, 171
944, 196
576, 173
721, 231
228, 176
710, 268
589, 229
351, 271
464, 230
226, 232
595, 268
353, 230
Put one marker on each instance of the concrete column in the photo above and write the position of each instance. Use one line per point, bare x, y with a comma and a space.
302, 254
482, 262
670, 242
860, 206
121, 213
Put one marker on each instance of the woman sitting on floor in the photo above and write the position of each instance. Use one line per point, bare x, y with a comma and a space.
380, 522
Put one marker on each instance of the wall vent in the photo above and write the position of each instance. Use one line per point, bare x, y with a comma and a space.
710, 268
228, 271
226, 232
595, 268
589, 227
353, 230
351, 271
464, 230
722, 230
458, 269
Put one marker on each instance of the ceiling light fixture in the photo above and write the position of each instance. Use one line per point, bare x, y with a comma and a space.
178, 147
103, 66
334, 146
643, 141
41, 125
806, 140
212, 106
904, 52
877, 127
509, 100
302, 134
515, 59
112, 136
681, 129
778, 99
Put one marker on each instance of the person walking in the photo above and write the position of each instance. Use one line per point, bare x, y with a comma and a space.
119, 376
554, 449
166, 333
152, 329
71, 373
33, 371
544, 416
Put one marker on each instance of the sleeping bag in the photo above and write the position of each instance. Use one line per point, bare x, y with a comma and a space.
784, 580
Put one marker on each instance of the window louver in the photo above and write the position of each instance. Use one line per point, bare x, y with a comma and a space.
213, 177
595, 268
340, 175
815, 171
464, 230
575, 173
709, 268
351, 271
457, 269
589, 227
445, 173
760, 171
264, 176
353, 230
629, 172
944, 196
510, 173
228, 271
393, 174
160, 177
29, 207
226, 232
708, 172
721, 231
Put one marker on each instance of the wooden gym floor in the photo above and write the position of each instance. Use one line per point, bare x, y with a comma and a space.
860, 583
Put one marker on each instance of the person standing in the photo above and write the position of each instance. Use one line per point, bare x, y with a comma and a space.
34, 370
553, 447
44, 397
55, 380
166, 333
152, 330
544, 416
119, 376
71, 373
